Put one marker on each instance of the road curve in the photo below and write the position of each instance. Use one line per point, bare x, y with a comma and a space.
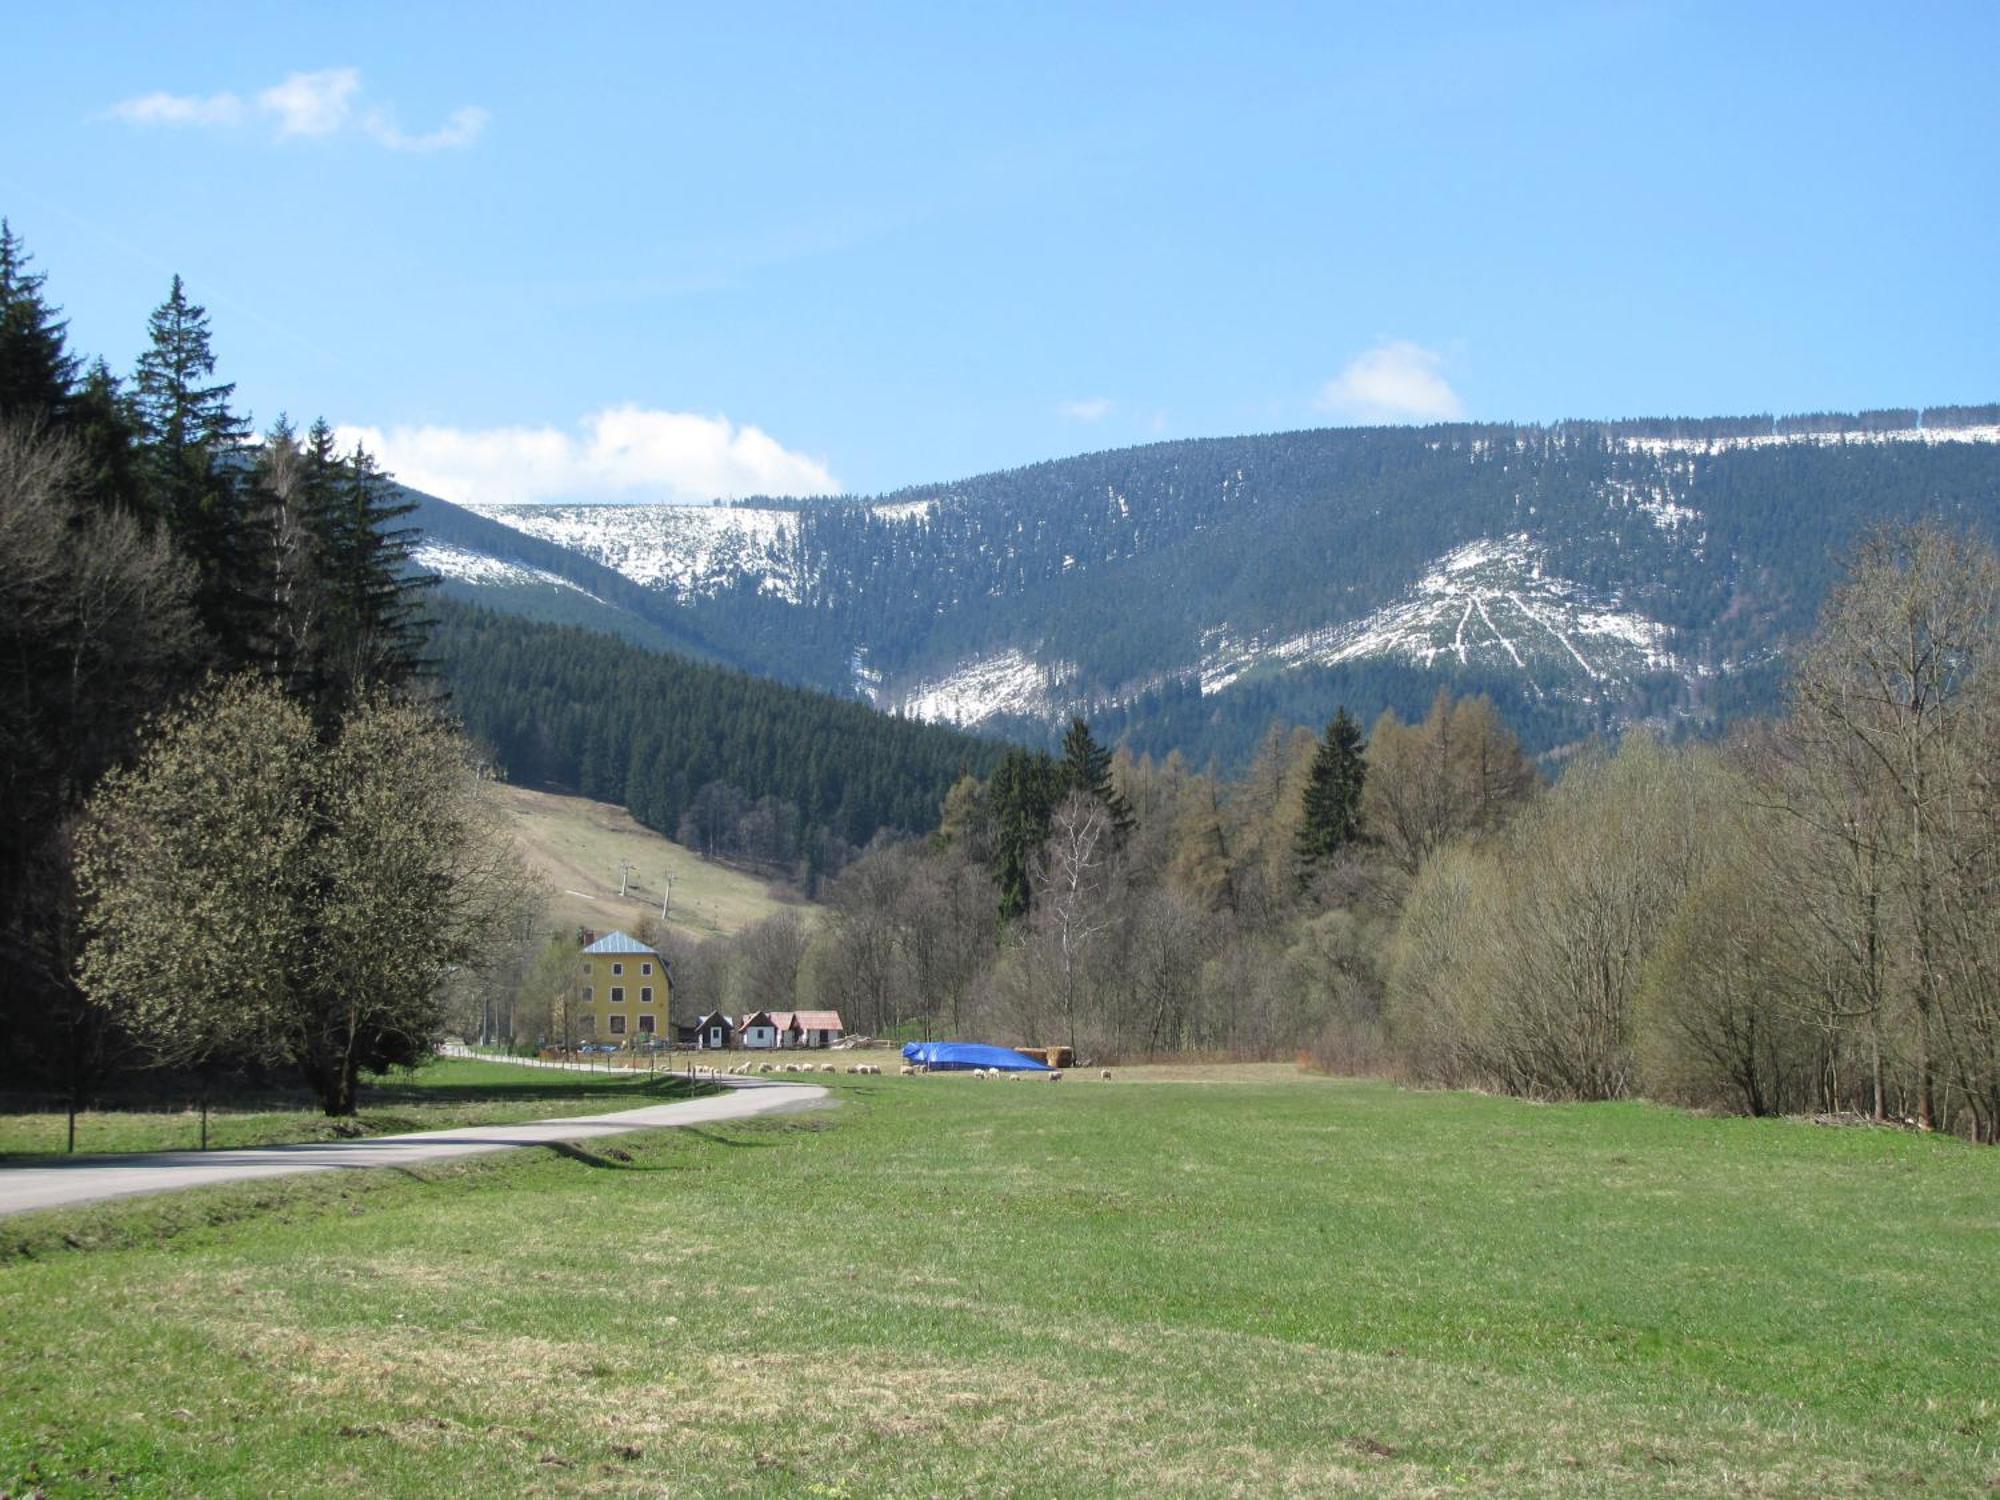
91, 1179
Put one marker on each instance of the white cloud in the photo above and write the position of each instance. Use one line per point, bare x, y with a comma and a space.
311, 106
179, 109
1397, 381
622, 453
461, 128
1087, 409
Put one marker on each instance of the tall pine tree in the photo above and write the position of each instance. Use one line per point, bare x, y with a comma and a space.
1332, 818
383, 624
101, 419
1022, 795
37, 370
1086, 768
191, 459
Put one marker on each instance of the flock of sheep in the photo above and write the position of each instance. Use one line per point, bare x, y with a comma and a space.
1054, 1075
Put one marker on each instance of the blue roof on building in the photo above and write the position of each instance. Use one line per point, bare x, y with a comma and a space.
618, 942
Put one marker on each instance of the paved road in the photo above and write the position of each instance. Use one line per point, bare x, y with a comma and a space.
88, 1179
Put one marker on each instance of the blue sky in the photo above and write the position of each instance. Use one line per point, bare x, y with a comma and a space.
639, 252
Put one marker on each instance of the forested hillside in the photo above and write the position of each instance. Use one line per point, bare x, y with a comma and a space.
728, 763
1586, 575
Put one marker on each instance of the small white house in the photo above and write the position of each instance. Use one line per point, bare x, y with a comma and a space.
757, 1030
808, 1028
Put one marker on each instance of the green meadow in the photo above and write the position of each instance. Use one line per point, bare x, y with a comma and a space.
439, 1096
1282, 1285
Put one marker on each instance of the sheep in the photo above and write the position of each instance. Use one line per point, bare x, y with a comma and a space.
871, 1070
1056, 1076
906, 1071
1106, 1074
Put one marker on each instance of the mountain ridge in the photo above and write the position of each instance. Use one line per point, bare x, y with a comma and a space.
1608, 571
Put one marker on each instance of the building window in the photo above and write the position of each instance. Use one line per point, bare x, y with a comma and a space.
586, 966
645, 968
586, 994
617, 1025
617, 994
618, 968
645, 1023
646, 995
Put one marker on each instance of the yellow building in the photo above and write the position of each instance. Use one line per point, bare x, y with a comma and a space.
624, 993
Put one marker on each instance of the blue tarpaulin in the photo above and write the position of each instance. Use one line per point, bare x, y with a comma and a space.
947, 1056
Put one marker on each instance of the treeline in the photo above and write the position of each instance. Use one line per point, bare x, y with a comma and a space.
1808, 919
213, 646
737, 766
1803, 920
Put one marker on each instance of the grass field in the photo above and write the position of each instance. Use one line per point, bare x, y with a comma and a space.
575, 845
941, 1286
444, 1094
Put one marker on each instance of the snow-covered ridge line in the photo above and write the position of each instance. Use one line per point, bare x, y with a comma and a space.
477, 567
1988, 434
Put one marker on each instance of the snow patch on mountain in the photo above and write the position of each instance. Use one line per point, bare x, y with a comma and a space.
683, 550
1490, 603
1657, 500
1009, 682
480, 568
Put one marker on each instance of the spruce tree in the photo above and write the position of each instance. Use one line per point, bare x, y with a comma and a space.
1333, 795
384, 623
101, 419
37, 370
191, 446
1086, 768
1023, 794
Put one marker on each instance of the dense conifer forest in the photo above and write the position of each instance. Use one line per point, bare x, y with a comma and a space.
734, 765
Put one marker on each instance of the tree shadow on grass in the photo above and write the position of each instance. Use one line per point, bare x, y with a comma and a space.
658, 1089
605, 1157
610, 1158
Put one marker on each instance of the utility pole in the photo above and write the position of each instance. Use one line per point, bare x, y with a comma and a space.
624, 870
667, 894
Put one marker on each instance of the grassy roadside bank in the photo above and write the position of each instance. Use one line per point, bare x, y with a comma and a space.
440, 1096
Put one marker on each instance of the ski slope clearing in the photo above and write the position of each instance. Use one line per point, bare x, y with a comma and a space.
576, 845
